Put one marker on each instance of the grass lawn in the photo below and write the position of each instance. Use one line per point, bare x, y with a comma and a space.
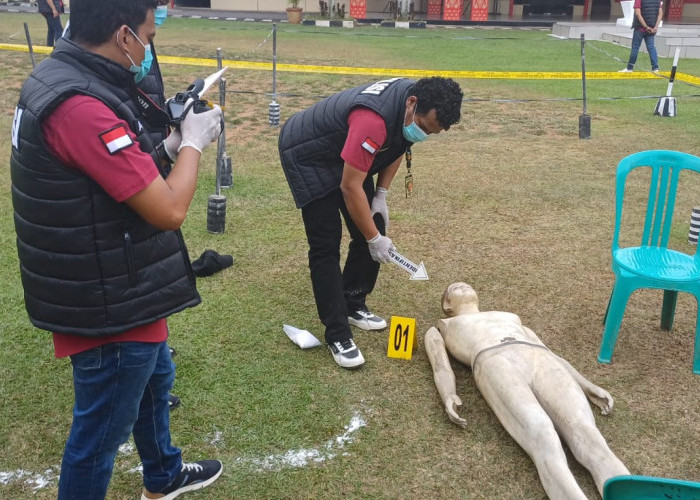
510, 200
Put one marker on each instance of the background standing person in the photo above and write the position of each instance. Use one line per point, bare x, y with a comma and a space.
102, 259
647, 16
52, 10
330, 154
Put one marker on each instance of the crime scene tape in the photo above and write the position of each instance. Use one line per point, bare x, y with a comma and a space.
382, 72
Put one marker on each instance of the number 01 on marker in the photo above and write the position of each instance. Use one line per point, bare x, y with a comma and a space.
401, 335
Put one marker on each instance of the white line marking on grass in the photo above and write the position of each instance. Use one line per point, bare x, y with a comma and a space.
305, 456
292, 458
216, 439
127, 448
40, 480
35, 480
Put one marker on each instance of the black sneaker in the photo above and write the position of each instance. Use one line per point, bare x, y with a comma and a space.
364, 319
346, 353
192, 476
173, 401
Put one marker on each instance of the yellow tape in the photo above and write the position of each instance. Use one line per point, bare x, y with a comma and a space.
383, 72
24, 48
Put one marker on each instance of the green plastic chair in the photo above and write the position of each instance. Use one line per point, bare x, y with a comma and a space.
649, 488
652, 264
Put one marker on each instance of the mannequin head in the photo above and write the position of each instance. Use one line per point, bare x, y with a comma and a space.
459, 298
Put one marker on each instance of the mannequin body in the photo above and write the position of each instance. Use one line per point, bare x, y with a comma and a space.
538, 397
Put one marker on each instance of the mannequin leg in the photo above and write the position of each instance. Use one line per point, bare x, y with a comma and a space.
566, 404
508, 393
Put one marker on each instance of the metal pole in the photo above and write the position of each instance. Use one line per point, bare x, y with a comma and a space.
274, 61
666, 106
226, 177
583, 69
216, 206
224, 171
669, 89
274, 108
584, 121
29, 44
220, 144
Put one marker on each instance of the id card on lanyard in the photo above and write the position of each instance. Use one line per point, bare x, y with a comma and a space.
408, 181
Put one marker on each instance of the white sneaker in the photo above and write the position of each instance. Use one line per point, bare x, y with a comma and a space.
625, 70
346, 353
364, 319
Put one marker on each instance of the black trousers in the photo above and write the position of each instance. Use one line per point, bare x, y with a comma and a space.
338, 293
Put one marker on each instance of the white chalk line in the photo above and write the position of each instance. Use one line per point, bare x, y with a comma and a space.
290, 459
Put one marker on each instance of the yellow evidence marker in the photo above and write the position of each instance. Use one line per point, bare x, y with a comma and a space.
402, 332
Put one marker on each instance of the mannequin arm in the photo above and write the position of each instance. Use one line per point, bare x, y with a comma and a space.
597, 395
443, 375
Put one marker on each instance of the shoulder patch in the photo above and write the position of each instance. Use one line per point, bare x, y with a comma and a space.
379, 87
116, 139
370, 145
16, 121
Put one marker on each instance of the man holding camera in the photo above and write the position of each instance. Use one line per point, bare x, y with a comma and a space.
102, 259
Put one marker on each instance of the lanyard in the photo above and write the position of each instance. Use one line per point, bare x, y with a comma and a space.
408, 181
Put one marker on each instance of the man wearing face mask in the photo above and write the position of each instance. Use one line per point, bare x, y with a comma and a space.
102, 259
330, 154
151, 96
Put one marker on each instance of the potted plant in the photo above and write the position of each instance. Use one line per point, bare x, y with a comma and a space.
294, 12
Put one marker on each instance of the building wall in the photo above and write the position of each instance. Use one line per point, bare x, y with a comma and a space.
266, 5
691, 11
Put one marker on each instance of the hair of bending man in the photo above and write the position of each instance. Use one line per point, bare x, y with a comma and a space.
442, 94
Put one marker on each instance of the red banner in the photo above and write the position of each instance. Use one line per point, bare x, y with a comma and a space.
453, 10
434, 7
358, 9
675, 10
480, 10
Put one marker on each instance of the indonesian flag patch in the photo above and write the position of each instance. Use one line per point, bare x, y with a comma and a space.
116, 139
370, 145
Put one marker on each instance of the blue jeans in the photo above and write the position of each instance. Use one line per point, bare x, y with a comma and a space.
55, 30
120, 388
648, 38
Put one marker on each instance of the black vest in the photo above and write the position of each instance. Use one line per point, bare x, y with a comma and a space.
311, 141
90, 266
650, 11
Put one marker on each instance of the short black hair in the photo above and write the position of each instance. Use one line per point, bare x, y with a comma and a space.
442, 94
95, 21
